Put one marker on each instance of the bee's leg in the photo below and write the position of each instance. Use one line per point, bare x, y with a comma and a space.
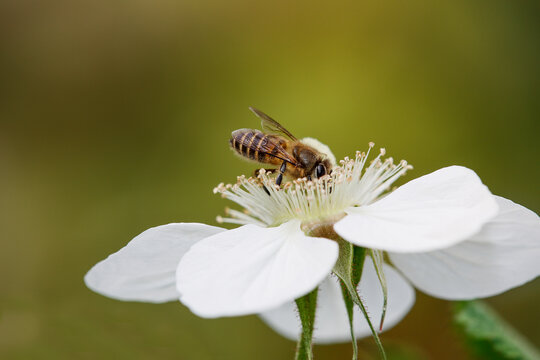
268, 171
282, 169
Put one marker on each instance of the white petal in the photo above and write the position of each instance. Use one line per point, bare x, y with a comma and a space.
144, 270
331, 322
252, 269
432, 212
503, 255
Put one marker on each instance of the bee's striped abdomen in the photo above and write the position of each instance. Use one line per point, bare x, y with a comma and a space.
246, 142
237, 137
256, 151
258, 146
261, 145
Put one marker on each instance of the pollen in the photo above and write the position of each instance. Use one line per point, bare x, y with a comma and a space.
350, 184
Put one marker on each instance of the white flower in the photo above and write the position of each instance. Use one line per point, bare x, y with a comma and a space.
445, 231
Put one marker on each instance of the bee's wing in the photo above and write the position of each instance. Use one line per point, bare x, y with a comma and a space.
271, 126
272, 146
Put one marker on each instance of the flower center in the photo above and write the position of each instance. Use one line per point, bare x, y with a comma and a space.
321, 200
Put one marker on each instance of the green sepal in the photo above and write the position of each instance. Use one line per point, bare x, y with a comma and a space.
378, 261
348, 269
488, 335
307, 305
349, 305
359, 254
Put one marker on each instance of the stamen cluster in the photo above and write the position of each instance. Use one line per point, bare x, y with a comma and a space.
349, 184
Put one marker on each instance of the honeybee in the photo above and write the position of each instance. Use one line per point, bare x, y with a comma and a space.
275, 145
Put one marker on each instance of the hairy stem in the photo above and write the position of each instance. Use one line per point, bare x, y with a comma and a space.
307, 305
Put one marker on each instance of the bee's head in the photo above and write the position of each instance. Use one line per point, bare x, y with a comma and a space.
324, 161
324, 167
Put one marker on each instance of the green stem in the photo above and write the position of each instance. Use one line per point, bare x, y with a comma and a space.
307, 305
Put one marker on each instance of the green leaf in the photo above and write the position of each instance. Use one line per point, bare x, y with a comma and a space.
488, 335
349, 270
307, 306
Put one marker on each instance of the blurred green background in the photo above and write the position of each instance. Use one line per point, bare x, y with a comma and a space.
115, 117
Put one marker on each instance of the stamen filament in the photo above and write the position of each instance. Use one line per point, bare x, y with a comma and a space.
349, 184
